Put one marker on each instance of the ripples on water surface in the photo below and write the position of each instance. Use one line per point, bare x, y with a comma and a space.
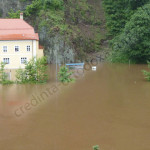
109, 107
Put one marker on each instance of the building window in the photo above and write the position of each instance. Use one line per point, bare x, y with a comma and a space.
28, 48
23, 60
6, 60
16, 48
4, 48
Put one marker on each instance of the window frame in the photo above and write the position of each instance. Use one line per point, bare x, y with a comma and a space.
15, 48
21, 60
28, 47
6, 49
6, 62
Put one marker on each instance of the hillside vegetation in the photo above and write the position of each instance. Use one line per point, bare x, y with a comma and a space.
70, 25
77, 30
128, 25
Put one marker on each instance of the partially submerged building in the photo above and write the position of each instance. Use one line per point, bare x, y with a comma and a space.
18, 43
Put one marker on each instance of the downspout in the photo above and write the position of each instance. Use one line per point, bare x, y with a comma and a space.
32, 48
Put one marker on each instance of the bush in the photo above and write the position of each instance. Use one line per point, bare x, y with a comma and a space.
41, 70
7, 82
147, 73
64, 75
53, 4
21, 76
33, 8
13, 14
96, 147
34, 72
3, 75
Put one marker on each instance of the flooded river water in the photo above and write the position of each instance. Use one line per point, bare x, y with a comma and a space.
109, 107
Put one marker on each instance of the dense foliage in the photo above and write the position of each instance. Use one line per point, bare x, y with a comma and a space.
96, 147
64, 75
65, 17
128, 24
147, 73
35, 71
3, 75
133, 43
118, 13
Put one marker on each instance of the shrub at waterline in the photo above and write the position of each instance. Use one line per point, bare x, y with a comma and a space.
35, 71
96, 147
3, 75
64, 75
147, 73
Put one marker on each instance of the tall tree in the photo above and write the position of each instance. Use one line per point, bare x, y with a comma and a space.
133, 42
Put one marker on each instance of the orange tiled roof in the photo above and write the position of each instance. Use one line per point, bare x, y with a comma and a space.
16, 29
19, 37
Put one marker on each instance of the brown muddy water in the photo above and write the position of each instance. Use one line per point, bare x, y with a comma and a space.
109, 107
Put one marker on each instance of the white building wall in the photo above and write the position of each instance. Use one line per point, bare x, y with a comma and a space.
34, 48
15, 57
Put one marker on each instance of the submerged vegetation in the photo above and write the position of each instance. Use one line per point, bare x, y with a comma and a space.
64, 75
35, 71
3, 75
96, 147
147, 73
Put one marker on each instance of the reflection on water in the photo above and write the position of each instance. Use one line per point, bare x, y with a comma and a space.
109, 107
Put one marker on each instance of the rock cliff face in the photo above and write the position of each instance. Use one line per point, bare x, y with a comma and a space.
84, 25
55, 47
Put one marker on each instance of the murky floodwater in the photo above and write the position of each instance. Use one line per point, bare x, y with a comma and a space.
109, 108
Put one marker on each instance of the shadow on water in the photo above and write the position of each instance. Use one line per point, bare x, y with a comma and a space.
108, 107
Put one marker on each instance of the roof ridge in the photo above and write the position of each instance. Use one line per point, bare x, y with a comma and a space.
19, 37
15, 28
10, 18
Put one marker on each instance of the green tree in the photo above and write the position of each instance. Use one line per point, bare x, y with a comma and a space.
41, 70
96, 147
3, 75
119, 12
64, 75
21, 76
147, 73
13, 14
35, 71
133, 43
134, 4
53, 4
